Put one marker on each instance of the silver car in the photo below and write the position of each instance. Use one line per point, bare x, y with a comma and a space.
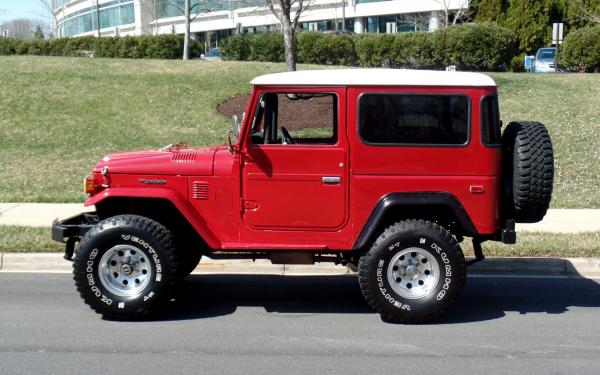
545, 60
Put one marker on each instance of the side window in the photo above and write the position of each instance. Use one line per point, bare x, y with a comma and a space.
413, 119
296, 118
490, 121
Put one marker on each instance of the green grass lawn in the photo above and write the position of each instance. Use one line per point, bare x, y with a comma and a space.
17, 239
58, 116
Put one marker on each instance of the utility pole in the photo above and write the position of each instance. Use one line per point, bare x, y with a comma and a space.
186, 38
98, 18
343, 15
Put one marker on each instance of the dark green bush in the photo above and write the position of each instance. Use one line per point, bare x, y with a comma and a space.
305, 42
372, 50
415, 50
475, 46
580, 50
334, 50
236, 47
168, 46
7, 46
267, 47
154, 47
517, 63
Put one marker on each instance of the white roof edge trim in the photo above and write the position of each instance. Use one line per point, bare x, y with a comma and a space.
375, 77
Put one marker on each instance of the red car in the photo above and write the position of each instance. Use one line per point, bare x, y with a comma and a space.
386, 170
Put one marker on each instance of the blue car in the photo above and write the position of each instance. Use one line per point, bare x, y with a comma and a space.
545, 60
214, 54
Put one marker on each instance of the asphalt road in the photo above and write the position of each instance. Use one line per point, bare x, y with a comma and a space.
248, 324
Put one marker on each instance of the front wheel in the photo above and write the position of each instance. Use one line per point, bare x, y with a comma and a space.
413, 272
125, 267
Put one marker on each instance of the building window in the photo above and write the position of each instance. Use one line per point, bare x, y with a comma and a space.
413, 22
112, 14
413, 119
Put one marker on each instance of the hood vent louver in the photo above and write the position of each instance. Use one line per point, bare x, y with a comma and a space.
200, 190
184, 157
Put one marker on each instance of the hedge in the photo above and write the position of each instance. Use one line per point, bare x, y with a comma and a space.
480, 46
580, 50
166, 46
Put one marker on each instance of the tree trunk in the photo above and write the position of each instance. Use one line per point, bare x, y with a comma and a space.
290, 44
186, 38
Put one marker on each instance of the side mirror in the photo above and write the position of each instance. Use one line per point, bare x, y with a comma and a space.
235, 124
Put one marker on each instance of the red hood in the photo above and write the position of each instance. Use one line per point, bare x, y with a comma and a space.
189, 161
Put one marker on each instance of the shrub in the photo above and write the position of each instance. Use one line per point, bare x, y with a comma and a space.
106, 47
267, 47
7, 46
373, 50
517, 64
334, 50
305, 42
167, 46
475, 46
414, 50
580, 50
236, 47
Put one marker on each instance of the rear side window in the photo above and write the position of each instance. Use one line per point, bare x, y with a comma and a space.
414, 119
490, 121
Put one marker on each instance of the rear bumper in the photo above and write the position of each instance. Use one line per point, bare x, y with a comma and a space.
71, 230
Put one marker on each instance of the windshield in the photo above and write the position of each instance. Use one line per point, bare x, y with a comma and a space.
546, 54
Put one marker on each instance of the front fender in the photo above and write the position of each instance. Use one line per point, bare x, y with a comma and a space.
181, 203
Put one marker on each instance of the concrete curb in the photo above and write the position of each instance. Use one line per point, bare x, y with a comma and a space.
567, 267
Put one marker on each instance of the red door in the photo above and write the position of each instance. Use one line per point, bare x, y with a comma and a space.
298, 182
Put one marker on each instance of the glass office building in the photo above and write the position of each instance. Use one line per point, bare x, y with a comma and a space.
223, 17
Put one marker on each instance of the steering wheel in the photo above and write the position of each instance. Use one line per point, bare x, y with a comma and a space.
287, 138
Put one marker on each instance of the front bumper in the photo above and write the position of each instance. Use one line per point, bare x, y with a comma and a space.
72, 230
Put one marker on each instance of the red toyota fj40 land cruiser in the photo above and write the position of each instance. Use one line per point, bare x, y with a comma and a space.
398, 167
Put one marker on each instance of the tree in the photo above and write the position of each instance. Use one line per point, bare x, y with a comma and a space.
38, 33
150, 7
49, 14
581, 13
20, 28
190, 9
453, 11
288, 14
489, 10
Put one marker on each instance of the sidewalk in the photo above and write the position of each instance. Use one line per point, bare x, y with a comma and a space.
42, 214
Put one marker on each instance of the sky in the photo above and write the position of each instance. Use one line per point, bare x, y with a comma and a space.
10, 9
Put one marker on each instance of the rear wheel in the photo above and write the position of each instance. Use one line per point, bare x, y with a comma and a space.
125, 267
413, 272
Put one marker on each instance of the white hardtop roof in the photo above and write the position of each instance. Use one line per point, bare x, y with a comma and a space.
375, 77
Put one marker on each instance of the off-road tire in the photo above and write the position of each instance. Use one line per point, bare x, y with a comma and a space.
141, 238
528, 171
405, 236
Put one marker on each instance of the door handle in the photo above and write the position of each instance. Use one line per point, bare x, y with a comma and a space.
331, 180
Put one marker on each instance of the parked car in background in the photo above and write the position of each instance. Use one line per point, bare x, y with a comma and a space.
545, 60
214, 54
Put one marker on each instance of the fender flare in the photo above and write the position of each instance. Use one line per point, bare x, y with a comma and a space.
394, 200
180, 203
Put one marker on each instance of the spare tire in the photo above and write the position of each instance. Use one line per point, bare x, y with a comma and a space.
528, 171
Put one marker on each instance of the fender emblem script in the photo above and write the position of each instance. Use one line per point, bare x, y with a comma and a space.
152, 182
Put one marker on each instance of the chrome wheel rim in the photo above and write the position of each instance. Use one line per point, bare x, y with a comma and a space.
413, 273
125, 270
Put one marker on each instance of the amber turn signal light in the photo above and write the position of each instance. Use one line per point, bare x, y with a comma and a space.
89, 186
